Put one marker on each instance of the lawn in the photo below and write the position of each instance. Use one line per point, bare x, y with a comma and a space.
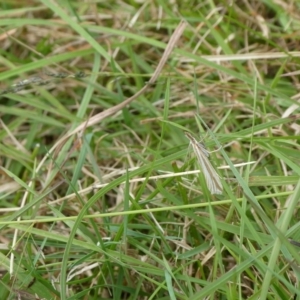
149, 149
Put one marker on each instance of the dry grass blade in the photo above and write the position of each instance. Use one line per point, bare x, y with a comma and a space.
101, 116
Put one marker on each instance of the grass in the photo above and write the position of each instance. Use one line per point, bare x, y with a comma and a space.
101, 197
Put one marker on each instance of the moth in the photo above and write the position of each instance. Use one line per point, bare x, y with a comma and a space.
212, 178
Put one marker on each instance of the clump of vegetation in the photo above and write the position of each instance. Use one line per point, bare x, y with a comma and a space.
101, 195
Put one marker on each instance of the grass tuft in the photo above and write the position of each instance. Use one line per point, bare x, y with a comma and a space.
101, 197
